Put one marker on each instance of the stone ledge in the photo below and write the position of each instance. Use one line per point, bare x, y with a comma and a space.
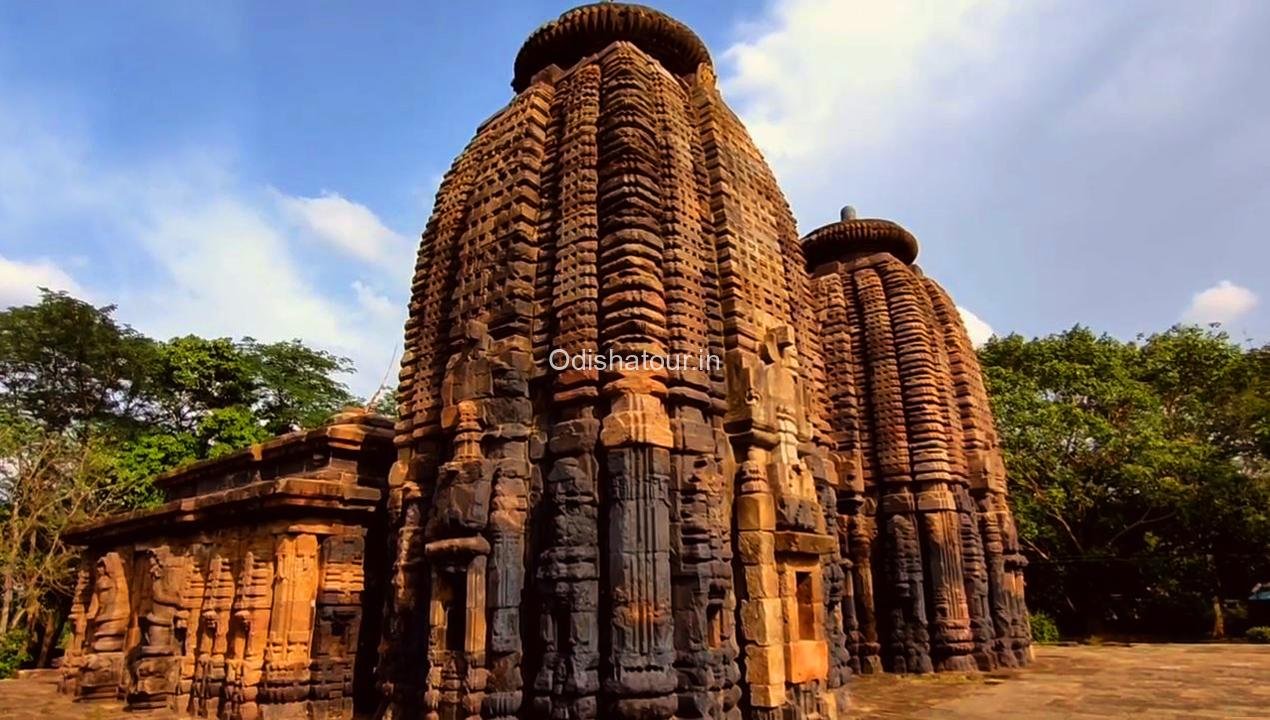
244, 501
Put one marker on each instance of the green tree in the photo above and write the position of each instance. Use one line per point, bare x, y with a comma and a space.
91, 411
192, 376
1137, 472
64, 363
296, 386
48, 482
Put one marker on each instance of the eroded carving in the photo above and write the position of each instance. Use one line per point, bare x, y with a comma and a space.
912, 419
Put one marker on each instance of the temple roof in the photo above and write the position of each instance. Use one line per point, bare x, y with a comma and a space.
334, 469
588, 29
854, 236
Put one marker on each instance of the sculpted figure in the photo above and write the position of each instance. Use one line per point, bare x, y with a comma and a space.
168, 575
108, 614
154, 668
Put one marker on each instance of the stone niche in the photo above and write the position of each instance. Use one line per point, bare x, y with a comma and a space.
241, 595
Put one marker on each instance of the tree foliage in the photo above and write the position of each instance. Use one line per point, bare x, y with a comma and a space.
1138, 473
91, 410
64, 363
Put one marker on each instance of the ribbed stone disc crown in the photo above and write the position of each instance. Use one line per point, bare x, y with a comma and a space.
588, 29
858, 237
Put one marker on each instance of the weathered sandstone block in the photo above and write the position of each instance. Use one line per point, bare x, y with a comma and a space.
241, 595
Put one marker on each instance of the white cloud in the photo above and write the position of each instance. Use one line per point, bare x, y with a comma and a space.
1002, 132
979, 331
20, 281
184, 244
349, 227
1224, 302
375, 302
819, 77
1166, 73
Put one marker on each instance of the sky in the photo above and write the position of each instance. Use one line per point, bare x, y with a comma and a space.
264, 169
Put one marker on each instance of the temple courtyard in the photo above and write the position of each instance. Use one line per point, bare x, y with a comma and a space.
1071, 682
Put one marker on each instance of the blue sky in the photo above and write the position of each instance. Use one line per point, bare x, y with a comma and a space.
265, 168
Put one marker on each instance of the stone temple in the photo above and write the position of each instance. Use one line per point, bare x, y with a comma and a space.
804, 484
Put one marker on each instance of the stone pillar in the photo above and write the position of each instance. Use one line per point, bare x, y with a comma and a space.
837, 593
249, 630
212, 645
187, 624
284, 687
337, 620
402, 663
456, 551
761, 612
78, 618
863, 531
976, 578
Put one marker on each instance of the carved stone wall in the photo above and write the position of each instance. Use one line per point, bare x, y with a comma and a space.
725, 528
240, 597
636, 542
930, 539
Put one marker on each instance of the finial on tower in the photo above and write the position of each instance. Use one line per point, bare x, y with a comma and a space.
588, 29
854, 237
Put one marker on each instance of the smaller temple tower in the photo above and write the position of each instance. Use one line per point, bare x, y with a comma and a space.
924, 529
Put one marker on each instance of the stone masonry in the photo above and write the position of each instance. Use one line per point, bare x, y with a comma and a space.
804, 483
240, 596
927, 536
634, 543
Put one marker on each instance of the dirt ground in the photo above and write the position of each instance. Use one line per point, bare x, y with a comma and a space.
1149, 682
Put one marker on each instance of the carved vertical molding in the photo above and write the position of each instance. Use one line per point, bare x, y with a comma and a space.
703, 603
925, 410
636, 433
908, 648
567, 681
78, 618
336, 623
511, 411
1003, 561
212, 643
285, 675
249, 629
189, 622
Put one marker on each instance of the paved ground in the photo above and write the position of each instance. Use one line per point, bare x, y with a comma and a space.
1146, 682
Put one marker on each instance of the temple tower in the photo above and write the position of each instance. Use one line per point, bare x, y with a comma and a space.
930, 540
639, 540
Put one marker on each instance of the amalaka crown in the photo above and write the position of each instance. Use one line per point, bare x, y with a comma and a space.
852, 237
588, 29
